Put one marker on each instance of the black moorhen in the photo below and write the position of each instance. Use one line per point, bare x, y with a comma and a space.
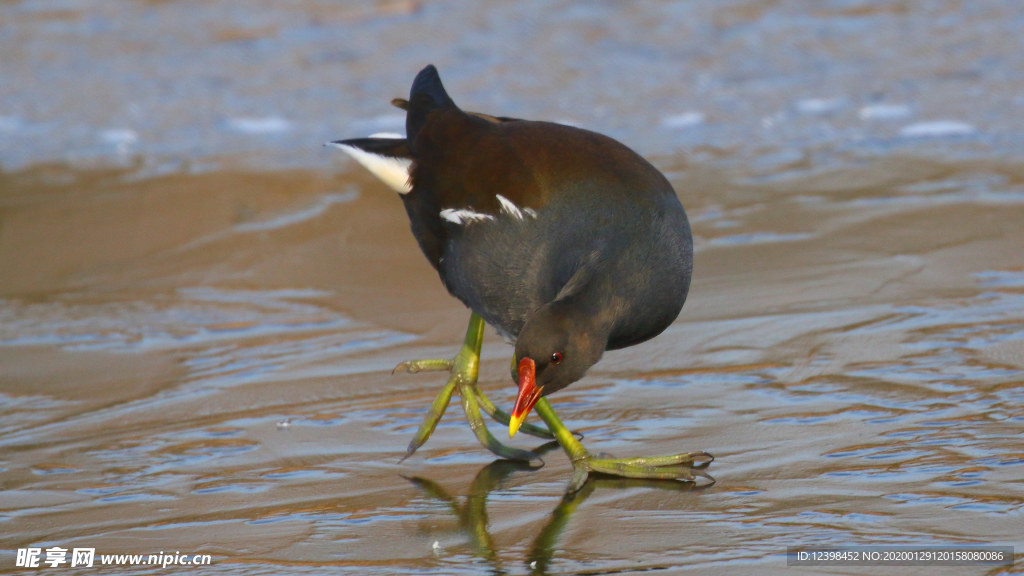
566, 241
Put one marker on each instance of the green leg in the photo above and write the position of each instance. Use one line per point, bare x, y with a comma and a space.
503, 418
437, 408
684, 467
463, 370
441, 402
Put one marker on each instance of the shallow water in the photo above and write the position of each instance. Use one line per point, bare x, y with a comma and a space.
200, 307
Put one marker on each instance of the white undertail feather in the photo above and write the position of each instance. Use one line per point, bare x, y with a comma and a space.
392, 171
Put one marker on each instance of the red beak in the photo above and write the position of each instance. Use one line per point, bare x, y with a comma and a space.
529, 394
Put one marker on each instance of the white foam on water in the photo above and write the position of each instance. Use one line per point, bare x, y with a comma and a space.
818, 105
936, 129
260, 124
302, 215
884, 112
683, 120
119, 136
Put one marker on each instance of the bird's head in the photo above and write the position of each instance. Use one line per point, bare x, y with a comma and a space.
554, 349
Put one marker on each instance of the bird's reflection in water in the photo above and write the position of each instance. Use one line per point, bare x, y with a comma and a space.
472, 514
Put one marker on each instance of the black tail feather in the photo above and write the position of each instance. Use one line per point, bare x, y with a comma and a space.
427, 94
428, 82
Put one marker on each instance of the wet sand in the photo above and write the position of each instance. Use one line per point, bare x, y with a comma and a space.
196, 355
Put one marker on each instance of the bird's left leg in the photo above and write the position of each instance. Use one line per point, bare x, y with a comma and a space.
463, 370
686, 466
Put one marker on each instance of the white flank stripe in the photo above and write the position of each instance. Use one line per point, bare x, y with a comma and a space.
464, 216
392, 171
508, 207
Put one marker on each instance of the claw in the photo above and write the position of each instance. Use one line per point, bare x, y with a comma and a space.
703, 459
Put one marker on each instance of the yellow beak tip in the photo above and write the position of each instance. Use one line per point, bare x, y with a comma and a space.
513, 425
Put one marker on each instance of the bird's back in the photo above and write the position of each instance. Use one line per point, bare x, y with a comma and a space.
514, 210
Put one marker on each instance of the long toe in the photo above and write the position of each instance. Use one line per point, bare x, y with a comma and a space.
684, 467
426, 365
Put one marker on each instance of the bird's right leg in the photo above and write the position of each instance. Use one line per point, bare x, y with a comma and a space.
463, 370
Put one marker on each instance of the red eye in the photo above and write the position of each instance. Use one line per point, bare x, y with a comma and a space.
556, 358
